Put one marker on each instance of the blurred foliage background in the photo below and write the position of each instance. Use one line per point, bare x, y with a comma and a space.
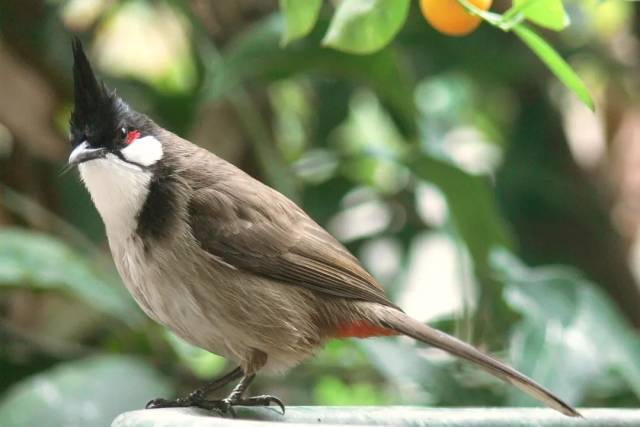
477, 188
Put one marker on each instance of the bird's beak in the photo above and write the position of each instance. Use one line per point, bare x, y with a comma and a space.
83, 153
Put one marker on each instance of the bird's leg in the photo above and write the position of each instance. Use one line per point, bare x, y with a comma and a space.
236, 398
198, 395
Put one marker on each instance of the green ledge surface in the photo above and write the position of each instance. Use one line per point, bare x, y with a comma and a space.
380, 416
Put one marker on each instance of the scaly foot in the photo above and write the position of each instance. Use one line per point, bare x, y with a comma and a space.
225, 406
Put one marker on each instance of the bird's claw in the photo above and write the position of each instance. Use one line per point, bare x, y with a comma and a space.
263, 400
226, 406
166, 403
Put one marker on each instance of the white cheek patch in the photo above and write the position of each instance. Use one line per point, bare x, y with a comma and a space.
143, 151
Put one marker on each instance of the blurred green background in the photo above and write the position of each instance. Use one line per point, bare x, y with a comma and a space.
481, 192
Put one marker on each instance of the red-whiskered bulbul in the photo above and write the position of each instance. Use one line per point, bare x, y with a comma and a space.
227, 263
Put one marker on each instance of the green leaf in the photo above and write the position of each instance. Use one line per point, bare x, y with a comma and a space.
300, 17
331, 390
566, 323
556, 64
546, 13
88, 392
257, 57
365, 26
203, 364
43, 262
444, 380
472, 205
401, 363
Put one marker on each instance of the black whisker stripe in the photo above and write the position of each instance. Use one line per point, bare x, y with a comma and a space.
121, 157
160, 211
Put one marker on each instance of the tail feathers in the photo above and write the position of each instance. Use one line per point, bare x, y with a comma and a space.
404, 324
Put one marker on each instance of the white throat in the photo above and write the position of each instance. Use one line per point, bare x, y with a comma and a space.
118, 190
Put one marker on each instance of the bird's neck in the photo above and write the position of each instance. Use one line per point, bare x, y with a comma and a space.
118, 194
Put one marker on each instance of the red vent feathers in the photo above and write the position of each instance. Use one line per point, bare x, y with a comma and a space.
363, 330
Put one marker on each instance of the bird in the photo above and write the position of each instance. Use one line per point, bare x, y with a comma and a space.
225, 262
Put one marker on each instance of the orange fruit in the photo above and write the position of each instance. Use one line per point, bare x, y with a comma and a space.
450, 17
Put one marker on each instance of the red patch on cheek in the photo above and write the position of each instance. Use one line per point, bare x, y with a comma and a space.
132, 136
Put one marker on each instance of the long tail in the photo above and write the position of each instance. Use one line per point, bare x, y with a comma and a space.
400, 322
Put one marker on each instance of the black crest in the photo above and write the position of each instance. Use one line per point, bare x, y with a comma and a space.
97, 112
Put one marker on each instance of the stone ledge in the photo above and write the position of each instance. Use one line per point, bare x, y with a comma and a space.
380, 416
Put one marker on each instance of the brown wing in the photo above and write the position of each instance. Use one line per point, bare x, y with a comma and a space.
254, 228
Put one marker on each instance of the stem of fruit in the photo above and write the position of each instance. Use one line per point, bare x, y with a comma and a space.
492, 18
506, 22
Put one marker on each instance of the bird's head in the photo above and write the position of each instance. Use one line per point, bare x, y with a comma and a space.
118, 151
103, 127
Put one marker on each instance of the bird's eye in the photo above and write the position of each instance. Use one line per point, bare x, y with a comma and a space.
128, 135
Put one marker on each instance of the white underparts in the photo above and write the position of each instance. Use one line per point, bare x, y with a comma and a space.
118, 190
143, 151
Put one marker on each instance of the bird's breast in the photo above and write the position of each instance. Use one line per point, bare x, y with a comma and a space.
168, 284
214, 305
